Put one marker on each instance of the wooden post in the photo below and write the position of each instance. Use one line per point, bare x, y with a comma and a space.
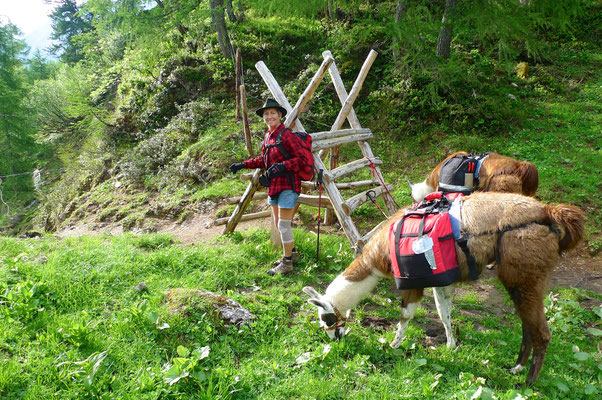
245, 121
355, 124
244, 203
238, 67
345, 110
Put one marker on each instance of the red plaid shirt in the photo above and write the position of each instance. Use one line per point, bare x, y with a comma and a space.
270, 156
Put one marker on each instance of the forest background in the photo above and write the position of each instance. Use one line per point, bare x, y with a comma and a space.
134, 123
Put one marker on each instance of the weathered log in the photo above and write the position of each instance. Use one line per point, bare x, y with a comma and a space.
354, 166
257, 196
338, 133
360, 198
244, 203
245, 121
313, 201
335, 197
325, 144
311, 88
355, 123
245, 217
344, 185
238, 75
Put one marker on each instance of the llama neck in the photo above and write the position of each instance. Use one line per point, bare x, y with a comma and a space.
345, 294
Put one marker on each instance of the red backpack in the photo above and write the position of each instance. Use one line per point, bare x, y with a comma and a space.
422, 247
307, 169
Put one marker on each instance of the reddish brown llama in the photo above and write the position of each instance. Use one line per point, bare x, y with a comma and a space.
498, 173
524, 235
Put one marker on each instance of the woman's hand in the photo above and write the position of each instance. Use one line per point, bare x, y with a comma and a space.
236, 167
275, 170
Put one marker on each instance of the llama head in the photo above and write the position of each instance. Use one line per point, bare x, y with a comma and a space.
329, 317
420, 190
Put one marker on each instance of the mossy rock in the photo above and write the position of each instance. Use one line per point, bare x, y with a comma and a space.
221, 310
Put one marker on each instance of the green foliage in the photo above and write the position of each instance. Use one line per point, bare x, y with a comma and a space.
100, 336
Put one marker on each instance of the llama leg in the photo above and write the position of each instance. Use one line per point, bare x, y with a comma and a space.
524, 353
409, 304
443, 301
536, 334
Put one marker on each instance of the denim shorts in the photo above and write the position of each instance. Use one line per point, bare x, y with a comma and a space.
285, 199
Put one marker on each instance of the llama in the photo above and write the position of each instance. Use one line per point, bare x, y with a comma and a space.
497, 173
524, 235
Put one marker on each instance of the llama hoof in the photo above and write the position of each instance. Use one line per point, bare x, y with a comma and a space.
516, 369
395, 344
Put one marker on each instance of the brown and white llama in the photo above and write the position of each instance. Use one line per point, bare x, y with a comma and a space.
524, 235
498, 173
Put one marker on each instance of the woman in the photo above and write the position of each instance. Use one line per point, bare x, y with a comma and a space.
281, 178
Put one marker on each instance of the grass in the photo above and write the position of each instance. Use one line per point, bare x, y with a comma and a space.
72, 325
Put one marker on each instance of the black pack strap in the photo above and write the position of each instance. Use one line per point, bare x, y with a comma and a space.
473, 273
512, 228
398, 238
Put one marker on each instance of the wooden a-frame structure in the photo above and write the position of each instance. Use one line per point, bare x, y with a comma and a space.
322, 141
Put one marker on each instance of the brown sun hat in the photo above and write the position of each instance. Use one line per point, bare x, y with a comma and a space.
270, 103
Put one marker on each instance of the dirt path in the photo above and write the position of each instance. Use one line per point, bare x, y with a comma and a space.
576, 269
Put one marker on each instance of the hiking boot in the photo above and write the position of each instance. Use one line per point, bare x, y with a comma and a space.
294, 256
284, 266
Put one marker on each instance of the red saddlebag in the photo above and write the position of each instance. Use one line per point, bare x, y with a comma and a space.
422, 247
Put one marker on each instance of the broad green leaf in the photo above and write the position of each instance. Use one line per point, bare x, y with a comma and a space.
594, 331
562, 387
590, 389
420, 361
183, 351
201, 353
153, 317
581, 356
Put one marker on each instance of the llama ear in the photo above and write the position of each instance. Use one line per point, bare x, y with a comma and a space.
318, 303
409, 183
311, 292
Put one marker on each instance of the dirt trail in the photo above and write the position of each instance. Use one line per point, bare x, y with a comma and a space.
576, 268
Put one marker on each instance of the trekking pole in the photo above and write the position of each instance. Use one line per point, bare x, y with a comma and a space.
371, 195
319, 184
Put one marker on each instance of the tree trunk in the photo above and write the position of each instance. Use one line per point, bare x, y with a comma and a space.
402, 6
445, 33
231, 16
219, 21
332, 11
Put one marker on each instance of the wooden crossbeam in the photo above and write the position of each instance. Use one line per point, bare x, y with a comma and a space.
354, 166
355, 123
336, 142
361, 198
338, 133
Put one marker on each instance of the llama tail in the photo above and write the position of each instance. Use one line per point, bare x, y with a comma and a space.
528, 175
570, 220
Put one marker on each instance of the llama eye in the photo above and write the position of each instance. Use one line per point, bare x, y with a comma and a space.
329, 319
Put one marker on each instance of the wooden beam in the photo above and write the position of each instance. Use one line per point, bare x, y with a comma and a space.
344, 185
277, 92
364, 239
335, 134
354, 166
355, 90
335, 197
245, 217
257, 196
355, 123
309, 91
326, 144
360, 198
244, 203
313, 201
245, 121
238, 83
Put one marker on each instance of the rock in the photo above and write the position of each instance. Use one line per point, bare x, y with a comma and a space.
141, 287
221, 308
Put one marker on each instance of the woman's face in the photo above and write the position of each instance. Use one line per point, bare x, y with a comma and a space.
272, 116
